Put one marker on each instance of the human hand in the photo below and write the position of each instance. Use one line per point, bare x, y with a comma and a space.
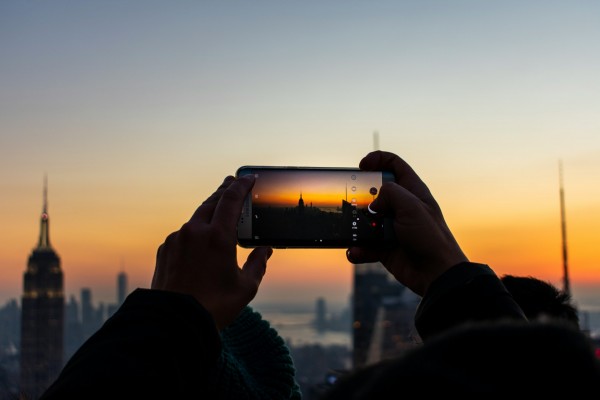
200, 258
426, 247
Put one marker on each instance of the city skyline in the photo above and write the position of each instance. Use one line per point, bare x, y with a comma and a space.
137, 111
121, 289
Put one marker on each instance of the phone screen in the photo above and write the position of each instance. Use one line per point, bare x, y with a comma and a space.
312, 207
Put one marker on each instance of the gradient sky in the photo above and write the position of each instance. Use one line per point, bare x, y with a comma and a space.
136, 111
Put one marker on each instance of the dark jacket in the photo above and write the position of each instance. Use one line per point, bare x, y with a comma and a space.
157, 345
165, 345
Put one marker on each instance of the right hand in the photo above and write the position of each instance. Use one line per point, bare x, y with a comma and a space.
426, 247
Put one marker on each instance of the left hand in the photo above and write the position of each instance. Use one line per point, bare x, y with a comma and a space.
200, 259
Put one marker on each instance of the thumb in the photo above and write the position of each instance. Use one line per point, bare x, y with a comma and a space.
256, 265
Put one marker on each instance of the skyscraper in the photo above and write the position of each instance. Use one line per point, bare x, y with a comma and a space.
87, 312
42, 315
321, 315
383, 315
121, 287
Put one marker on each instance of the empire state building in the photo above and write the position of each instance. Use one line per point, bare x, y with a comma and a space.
42, 316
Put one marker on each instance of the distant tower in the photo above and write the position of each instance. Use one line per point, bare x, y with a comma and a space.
42, 316
321, 314
121, 287
88, 317
563, 224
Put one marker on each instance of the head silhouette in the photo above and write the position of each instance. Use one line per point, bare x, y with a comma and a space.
541, 300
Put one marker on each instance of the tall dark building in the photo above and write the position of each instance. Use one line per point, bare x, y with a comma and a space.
88, 313
42, 315
121, 287
383, 312
321, 315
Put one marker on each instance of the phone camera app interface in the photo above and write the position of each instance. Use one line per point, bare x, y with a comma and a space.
315, 206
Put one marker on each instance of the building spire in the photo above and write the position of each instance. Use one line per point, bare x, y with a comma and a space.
563, 224
44, 242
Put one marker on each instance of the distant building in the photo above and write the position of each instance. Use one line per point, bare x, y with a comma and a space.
121, 288
321, 315
87, 312
10, 332
91, 317
42, 315
73, 327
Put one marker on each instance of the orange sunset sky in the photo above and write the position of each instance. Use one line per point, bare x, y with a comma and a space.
136, 111
326, 189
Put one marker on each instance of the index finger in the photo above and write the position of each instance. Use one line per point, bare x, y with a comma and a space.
206, 209
405, 176
229, 207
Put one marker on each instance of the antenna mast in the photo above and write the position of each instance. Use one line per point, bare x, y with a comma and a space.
45, 209
566, 285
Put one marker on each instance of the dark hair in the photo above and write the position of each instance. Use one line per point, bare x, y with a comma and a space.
540, 299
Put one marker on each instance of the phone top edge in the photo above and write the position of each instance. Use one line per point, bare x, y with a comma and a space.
248, 169
295, 167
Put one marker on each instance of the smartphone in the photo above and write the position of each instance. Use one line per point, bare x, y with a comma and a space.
313, 207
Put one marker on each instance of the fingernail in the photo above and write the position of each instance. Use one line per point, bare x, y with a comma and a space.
371, 211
